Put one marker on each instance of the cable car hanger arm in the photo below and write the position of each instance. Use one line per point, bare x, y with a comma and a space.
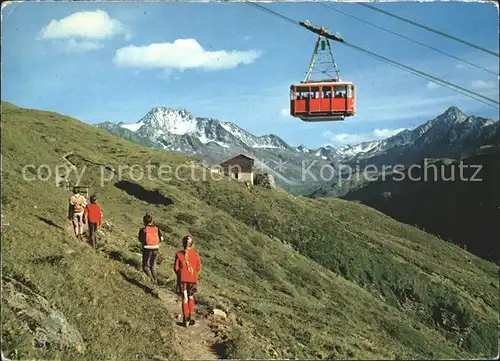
321, 31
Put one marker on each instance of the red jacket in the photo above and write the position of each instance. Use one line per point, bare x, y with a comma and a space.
93, 214
180, 266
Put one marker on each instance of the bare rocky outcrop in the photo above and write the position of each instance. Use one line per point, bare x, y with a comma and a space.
219, 313
265, 180
48, 326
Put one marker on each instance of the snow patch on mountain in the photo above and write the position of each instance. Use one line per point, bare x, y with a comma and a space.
303, 149
353, 150
174, 121
205, 140
133, 127
238, 133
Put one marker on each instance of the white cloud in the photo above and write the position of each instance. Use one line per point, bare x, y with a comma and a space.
182, 54
481, 84
248, 37
340, 139
80, 46
431, 85
96, 25
344, 138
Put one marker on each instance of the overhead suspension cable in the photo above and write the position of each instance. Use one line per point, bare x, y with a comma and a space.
408, 38
430, 29
434, 79
273, 13
324, 32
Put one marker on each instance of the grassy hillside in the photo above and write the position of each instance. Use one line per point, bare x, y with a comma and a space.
298, 277
466, 212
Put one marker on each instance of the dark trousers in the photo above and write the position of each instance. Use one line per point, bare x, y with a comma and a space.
93, 234
149, 263
178, 286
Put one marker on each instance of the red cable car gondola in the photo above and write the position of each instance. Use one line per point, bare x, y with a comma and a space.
322, 100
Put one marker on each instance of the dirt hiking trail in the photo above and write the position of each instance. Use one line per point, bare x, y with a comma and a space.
202, 341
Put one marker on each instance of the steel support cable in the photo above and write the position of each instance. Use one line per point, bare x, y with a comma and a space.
420, 73
430, 29
416, 72
273, 13
444, 83
408, 38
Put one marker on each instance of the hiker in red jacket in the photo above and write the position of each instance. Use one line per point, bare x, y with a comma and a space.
150, 237
187, 265
93, 214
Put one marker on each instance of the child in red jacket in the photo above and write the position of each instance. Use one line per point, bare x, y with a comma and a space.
187, 265
93, 213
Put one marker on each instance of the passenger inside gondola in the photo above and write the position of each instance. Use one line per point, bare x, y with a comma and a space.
340, 92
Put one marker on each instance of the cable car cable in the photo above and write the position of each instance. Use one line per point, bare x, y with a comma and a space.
416, 72
407, 38
430, 29
273, 13
444, 83
421, 73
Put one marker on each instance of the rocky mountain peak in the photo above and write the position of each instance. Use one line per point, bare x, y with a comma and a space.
454, 114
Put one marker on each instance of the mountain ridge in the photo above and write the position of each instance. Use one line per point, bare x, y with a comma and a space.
449, 134
160, 120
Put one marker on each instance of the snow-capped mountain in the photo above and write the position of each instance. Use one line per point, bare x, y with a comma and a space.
179, 130
213, 141
303, 149
350, 151
327, 152
268, 141
346, 152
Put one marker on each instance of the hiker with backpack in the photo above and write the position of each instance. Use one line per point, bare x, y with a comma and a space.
77, 204
93, 214
150, 237
187, 265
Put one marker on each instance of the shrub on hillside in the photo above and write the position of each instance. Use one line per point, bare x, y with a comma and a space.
186, 218
242, 347
483, 339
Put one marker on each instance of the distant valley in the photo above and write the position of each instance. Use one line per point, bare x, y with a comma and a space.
458, 200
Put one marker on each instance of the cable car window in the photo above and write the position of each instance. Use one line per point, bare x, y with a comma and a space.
293, 94
349, 91
340, 91
315, 93
302, 93
327, 92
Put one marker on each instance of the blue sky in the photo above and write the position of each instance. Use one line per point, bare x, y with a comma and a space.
107, 70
